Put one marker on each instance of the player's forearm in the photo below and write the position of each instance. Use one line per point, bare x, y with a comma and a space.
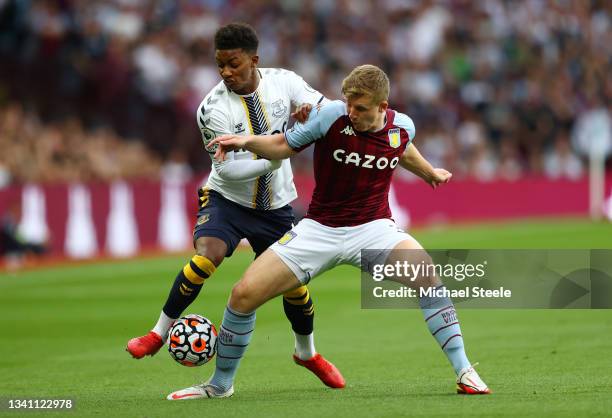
237, 170
272, 147
413, 161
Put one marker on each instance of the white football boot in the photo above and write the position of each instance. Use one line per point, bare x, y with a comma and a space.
469, 383
205, 390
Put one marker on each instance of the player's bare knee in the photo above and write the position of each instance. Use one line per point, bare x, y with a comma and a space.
214, 249
243, 297
429, 278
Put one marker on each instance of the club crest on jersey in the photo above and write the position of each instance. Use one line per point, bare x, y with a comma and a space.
203, 219
279, 109
285, 239
395, 139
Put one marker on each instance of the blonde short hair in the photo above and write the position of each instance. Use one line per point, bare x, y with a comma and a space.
367, 80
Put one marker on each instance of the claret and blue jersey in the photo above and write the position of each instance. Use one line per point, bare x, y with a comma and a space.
352, 169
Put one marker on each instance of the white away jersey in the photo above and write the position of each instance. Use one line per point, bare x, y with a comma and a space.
265, 111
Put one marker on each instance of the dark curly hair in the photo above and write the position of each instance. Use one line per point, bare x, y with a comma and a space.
237, 36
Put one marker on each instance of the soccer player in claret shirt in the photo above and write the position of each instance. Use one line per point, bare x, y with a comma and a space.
357, 146
246, 196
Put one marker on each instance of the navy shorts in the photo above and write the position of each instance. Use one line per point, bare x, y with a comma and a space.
221, 218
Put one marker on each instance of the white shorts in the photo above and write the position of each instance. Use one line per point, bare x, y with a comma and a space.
311, 248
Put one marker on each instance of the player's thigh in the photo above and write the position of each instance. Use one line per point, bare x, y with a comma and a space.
383, 242
411, 252
267, 277
309, 249
266, 227
377, 237
386, 244
215, 220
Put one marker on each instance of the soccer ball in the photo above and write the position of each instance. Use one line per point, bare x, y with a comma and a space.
192, 340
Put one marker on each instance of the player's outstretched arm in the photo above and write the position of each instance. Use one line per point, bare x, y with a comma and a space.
272, 147
413, 161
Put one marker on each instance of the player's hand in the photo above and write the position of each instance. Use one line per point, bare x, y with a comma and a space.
439, 176
225, 144
302, 112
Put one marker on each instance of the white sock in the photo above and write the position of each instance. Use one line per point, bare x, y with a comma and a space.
163, 325
304, 346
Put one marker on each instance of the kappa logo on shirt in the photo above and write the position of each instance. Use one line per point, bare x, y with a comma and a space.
348, 130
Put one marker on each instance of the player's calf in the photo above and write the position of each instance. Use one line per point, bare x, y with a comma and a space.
299, 309
442, 321
184, 291
235, 334
188, 284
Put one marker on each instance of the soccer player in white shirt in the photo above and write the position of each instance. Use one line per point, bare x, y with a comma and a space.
245, 196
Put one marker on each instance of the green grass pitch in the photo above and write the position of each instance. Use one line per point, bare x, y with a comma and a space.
64, 330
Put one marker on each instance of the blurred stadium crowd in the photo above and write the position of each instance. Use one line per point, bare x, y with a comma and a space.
102, 89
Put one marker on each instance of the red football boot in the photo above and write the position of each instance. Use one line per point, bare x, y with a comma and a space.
147, 345
326, 371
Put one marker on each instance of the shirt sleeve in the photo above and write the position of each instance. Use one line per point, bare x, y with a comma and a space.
234, 170
319, 121
406, 123
212, 123
301, 92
